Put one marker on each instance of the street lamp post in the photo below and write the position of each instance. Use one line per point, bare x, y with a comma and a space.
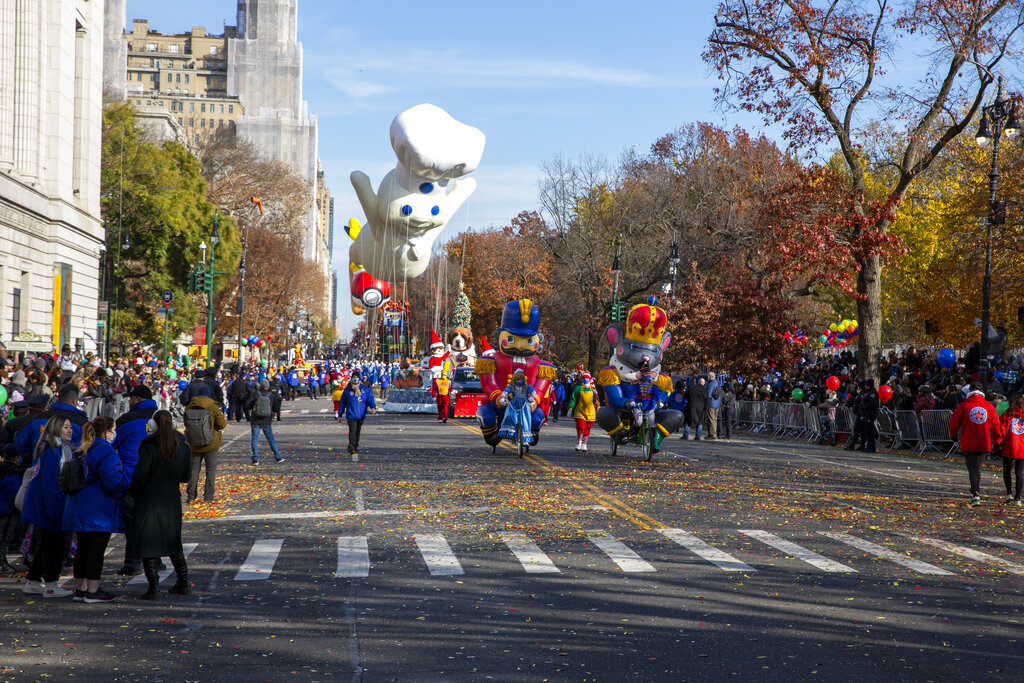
997, 118
616, 269
214, 238
256, 203
673, 262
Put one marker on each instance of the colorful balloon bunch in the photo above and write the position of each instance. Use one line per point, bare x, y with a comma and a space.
797, 338
255, 341
840, 333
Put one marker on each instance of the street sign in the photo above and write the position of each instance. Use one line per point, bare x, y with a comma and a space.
104, 307
167, 297
27, 340
162, 312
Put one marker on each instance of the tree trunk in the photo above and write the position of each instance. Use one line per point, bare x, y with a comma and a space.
869, 319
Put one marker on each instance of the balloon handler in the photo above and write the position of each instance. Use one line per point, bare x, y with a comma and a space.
518, 389
632, 383
518, 341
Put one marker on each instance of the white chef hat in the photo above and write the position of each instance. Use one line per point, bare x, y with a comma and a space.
432, 144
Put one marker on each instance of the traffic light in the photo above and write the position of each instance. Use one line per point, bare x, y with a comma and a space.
208, 281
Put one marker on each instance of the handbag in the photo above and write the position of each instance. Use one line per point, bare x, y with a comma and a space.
26, 479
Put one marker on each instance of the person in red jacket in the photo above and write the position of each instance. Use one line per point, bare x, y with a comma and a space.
1013, 448
977, 424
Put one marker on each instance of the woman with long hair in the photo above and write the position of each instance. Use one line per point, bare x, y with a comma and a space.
96, 511
155, 526
44, 508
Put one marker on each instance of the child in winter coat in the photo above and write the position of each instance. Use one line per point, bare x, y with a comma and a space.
336, 395
583, 405
11, 472
1013, 448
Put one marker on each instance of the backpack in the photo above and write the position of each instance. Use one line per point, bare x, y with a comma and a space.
72, 475
262, 409
198, 427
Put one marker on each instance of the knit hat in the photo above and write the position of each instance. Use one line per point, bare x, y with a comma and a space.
435, 341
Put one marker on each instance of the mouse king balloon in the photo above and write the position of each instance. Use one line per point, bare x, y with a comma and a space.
413, 203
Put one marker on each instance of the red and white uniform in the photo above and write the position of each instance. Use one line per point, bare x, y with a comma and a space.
1013, 434
977, 423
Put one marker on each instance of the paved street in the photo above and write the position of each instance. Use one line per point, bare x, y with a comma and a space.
426, 557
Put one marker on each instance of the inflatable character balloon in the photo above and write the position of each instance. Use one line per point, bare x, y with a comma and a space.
637, 345
414, 200
517, 344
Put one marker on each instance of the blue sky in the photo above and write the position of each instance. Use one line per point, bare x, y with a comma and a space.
539, 78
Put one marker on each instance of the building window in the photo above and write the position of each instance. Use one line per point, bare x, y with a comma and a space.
214, 49
177, 78
202, 107
191, 106
222, 109
177, 91
191, 123
231, 109
173, 49
150, 47
186, 92
186, 78
16, 312
196, 137
179, 121
220, 123
211, 123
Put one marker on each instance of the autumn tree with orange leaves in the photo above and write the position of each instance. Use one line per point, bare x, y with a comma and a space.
814, 66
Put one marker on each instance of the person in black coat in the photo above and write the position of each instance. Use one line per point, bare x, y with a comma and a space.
154, 531
696, 403
238, 392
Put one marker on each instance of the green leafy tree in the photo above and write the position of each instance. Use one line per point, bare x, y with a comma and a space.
156, 212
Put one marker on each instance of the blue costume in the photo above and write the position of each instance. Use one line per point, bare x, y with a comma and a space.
522, 417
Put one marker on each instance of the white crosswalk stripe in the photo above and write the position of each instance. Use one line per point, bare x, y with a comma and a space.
353, 557
1008, 542
887, 554
532, 558
286, 412
304, 411
719, 558
324, 410
438, 555
969, 553
260, 562
621, 555
187, 548
793, 550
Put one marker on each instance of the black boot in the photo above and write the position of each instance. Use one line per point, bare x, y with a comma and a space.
149, 568
181, 586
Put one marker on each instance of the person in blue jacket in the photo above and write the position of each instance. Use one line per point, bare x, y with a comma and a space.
44, 509
293, 383
321, 379
95, 512
11, 472
131, 430
559, 390
385, 384
311, 384
64, 406
355, 401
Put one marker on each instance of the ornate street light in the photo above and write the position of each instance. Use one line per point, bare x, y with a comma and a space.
996, 119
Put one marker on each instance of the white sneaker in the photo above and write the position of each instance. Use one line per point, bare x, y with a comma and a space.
33, 588
583, 448
1008, 499
579, 445
57, 592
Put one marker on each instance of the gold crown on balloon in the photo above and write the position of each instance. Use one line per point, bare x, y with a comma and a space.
646, 323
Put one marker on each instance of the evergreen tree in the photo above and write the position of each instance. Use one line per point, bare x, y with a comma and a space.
462, 315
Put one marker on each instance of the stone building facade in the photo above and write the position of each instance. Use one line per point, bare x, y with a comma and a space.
51, 115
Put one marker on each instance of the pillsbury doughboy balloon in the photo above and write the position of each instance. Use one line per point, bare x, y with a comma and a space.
414, 200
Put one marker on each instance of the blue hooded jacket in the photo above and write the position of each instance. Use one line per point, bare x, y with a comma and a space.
353, 407
98, 506
293, 378
131, 430
26, 439
44, 501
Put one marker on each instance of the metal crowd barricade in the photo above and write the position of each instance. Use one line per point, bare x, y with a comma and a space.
758, 414
812, 422
845, 420
909, 430
886, 426
744, 415
935, 431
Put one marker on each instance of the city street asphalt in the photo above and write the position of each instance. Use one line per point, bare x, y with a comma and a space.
425, 557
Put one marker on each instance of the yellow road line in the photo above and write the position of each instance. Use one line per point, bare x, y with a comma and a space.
614, 504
